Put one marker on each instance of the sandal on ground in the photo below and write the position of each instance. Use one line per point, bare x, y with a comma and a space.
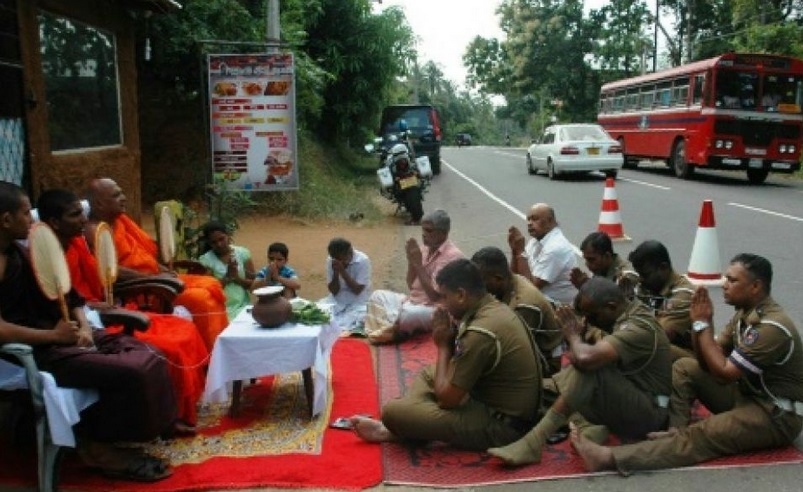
142, 469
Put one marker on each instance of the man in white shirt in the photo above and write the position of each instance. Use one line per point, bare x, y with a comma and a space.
547, 258
348, 278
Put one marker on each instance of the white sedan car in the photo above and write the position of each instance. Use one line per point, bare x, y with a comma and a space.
572, 148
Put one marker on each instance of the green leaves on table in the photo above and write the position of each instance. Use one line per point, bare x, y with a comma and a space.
309, 314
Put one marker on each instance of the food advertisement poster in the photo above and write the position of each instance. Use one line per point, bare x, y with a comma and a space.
253, 121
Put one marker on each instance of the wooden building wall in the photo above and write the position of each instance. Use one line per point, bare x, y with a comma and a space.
75, 168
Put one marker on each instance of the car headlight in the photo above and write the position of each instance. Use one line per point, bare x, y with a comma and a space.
791, 149
782, 148
718, 144
728, 145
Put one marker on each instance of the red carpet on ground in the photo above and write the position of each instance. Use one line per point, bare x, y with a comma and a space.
344, 461
439, 465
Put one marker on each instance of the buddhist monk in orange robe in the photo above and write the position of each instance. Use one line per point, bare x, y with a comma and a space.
177, 338
137, 257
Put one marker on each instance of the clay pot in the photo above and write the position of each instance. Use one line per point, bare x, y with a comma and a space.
271, 309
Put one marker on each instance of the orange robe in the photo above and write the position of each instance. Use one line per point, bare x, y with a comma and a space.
203, 295
177, 338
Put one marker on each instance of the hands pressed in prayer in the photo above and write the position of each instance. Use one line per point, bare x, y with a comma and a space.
516, 240
413, 250
578, 277
702, 309
443, 332
569, 324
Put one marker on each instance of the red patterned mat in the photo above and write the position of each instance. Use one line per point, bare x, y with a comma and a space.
272, 444
439, 465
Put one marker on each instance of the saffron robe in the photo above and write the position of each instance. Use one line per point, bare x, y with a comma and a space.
179, 340
203, 295
136, 402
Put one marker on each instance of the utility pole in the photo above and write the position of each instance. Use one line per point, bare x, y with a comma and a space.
655, 36
273, 28
689, 46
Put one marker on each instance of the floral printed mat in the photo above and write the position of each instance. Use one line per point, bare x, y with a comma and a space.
273, 421
440, 465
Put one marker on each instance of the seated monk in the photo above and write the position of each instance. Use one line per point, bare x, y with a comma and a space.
137, 257
176, 337
136, 403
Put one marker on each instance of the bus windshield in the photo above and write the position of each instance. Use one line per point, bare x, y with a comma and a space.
742, 90
782, 93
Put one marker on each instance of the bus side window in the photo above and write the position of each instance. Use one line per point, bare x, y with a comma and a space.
697, 97
680, 91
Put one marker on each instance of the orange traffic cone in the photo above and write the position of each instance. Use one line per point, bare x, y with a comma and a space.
610, 221
704, 266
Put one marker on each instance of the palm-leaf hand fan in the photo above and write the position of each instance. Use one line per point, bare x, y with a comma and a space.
106, 256
49, 265
167, 237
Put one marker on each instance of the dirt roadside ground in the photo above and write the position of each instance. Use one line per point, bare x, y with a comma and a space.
307, 241
383, 242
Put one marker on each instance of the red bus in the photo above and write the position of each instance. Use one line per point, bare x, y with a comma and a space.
736, 111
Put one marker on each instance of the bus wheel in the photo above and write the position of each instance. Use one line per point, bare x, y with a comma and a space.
629, 162
682, 168
757, 176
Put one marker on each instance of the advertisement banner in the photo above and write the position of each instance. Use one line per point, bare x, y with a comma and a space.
253, 121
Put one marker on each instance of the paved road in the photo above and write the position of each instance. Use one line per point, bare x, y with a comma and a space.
488, 189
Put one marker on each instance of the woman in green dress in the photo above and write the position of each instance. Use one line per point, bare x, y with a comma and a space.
230, 264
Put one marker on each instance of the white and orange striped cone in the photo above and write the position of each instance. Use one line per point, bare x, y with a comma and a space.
705, 267
610, 220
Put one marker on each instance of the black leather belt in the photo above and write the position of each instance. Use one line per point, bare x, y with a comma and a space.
519, 425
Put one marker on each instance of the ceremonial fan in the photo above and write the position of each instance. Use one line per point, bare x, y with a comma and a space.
49, 265
167, 238
106, 256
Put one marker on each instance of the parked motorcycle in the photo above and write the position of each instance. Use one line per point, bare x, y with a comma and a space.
403, 178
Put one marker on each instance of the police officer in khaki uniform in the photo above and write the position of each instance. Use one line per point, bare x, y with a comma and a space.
622, 381
485, 387
527, 301
750, 377
601, 261
666, 292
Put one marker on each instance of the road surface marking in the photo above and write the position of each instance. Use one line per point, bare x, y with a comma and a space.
508, 154
765, 211
490, 195
498, 200
666, 188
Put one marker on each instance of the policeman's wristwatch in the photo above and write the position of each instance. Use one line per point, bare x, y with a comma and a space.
699, 326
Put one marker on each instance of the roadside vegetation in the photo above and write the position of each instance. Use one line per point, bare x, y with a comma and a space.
551, 63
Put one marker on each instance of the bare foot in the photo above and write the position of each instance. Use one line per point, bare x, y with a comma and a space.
662, 434
596, 457
371, 430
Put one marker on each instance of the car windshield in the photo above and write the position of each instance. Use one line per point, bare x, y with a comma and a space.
417, 119
593, 133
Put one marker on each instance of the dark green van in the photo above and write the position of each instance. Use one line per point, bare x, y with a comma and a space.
424, 125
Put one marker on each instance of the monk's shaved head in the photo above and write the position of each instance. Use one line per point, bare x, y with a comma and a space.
106, 199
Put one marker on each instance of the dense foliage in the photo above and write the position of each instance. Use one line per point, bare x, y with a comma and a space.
555, 55
353, 58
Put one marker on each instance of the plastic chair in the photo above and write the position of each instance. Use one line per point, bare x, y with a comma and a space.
46, 451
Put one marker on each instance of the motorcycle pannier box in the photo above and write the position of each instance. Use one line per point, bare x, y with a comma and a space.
385, 178
423, 166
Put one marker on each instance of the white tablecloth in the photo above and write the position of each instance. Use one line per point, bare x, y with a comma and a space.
245, 350
63, 405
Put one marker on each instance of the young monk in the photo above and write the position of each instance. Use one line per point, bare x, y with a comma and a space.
176, 337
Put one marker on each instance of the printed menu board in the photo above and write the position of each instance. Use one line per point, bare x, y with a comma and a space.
253, 121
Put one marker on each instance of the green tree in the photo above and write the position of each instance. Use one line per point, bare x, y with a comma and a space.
362, 53
623, 41
774, 26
